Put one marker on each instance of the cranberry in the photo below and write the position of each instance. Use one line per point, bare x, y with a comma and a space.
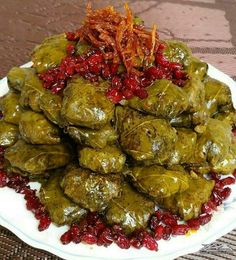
44, 223
66, 238
194, 224
3, 179
180, 229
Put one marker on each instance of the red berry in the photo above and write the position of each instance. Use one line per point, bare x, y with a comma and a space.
105, 238
194, 224
169, 221
66, 238
224, 194
228, 181
204, 219
89, 238
180, 229
135, 242
3, 179
141, 93
167, 232
44, 223
70, 49
128, 94
71, 36
159, 231
114, 95
150, 243
122, 241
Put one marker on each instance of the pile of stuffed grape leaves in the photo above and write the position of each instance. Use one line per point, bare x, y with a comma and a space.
115, 131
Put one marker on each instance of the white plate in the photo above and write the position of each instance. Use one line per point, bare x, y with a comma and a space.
15, 217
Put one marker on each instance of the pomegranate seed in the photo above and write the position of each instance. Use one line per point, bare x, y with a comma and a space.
154, 222
122, 241
208, 207
194, 224
131, 83
204, 219
105, 238
44, 223
141, 93
167, 232
159, 232
169, 221
227, 181
161, 60
135, 242
161, 47
178, 74
158, 214
114, 95
66, 238
215, 199
70, 49
175, 66
218, 186
150, 243
154, 73
116, 83
89, 238
224, 194
180, 229
3, 179
71, 36
128, 94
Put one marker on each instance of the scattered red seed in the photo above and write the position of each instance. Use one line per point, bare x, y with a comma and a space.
3, 179
180, 229
66, 238
204, 218
228, 181
194, 224
159, 231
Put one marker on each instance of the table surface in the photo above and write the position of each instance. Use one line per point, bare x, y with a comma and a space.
208, 26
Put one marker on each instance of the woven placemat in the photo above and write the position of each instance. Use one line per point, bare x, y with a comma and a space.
208, 26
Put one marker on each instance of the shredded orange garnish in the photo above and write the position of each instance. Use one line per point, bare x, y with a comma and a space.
118, 37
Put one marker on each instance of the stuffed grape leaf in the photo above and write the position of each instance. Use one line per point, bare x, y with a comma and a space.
158, 182
61, 209
131, 210
84, 104
36, 129
36, 159
90, 190
9, 134
110, 159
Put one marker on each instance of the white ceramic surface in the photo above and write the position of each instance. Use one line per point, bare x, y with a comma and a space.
15, 217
